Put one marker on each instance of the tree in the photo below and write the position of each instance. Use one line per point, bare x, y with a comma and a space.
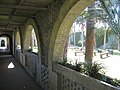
112, 9
89, 36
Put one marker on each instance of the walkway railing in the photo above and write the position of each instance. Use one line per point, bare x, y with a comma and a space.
69, 79
28, 60
37, 70
18, 54
31, 63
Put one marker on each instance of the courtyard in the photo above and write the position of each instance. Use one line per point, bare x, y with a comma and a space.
111, 63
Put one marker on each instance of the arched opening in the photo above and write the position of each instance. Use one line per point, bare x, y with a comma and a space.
31, 43
2, 43
62, 30
17, 41
63, 34
5, 44
69, 11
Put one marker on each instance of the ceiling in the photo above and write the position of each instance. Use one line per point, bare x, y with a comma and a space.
14, 13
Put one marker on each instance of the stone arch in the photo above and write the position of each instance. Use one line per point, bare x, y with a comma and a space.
28, 38
28, 30
9, 40
68, 13
17, 40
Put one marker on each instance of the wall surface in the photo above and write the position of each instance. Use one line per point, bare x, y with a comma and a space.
69, 79
52, 28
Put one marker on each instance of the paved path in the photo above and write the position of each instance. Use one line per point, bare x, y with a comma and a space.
111, 64
15, 78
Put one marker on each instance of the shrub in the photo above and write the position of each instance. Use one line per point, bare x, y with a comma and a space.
29, 50
94, 70
77, 67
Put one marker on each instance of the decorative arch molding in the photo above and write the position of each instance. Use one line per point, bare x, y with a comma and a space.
29, 25
69, 11
4, 34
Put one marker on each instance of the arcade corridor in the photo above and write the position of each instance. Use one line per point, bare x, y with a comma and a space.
35, 32
15, 78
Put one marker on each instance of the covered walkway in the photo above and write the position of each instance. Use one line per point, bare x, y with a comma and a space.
15, 78
35, 32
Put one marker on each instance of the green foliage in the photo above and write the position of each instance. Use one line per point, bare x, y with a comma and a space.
115, 82
110, 32
35, 53
29, 50
62, 62
77, 67
99, 34
112, 81
90, 69
93, 70
99, 37
110, 7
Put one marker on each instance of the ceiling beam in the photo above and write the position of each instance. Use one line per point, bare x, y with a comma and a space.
16, 15
3, 28
14, 12
11, 22
11, 26
22, 7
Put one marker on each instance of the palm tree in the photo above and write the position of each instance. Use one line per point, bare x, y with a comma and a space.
89, 36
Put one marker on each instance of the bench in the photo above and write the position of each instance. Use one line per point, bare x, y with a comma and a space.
79, 53
99, 51
104, 53
110, 51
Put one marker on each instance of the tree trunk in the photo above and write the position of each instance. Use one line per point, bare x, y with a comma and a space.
104, 39
89, 37
119, 43
82, 39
